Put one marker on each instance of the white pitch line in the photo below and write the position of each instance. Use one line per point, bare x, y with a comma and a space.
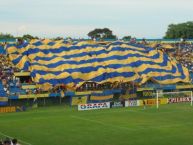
102, 123
142, 111
133, 129
18, 139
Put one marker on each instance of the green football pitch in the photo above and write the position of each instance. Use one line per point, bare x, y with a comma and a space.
170, 125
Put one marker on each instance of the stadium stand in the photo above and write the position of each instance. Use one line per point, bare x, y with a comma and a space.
92, 62
3, 96
183, 53
55, 69
2, 51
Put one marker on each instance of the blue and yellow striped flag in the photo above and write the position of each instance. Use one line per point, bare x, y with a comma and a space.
72, 64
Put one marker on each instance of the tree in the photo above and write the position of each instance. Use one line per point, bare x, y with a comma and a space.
28, 37
182, 30
6, 36
126, 38
104, 33
58, 38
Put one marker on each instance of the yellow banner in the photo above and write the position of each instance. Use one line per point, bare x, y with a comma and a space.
153, 101
86, 93
101, 97
128, 96
147, 93
184, 86
33, 96
7, 109
79, 100
143, 89
3, 99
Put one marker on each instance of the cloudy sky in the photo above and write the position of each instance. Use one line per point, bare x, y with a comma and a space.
75, 18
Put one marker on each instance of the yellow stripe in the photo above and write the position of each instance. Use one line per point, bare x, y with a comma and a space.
3, 99
95, 64
144, 89
173, 81
111, 53
86, 93
91, 75
101, 97
33, 96
87, 57
18, 74
29, 86
22, 62
184, 86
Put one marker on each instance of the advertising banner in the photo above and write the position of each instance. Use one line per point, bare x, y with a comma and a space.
117, 104
79, 100
12, 109
179, 99
132, 103
93, 106
153, 101
148, 93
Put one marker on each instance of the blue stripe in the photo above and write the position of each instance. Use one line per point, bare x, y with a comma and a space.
115, 57
168, 77
13, 97
96, 79
114, 66
3, 103
90, 53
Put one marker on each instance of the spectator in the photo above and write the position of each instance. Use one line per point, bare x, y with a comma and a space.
7, 142
14, 142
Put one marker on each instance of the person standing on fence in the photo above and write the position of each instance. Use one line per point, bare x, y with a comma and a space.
35, 103
144, 104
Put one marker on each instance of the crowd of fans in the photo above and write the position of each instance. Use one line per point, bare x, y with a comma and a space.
183, 53
8, 141
6, 73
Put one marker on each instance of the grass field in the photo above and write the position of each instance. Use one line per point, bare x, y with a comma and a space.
170, 125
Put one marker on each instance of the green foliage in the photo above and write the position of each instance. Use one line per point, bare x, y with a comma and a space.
58, 38
6, 36
126, 38
182, 30
104, 33
28, 37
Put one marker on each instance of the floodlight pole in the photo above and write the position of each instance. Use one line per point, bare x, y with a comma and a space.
191, 98
157, 102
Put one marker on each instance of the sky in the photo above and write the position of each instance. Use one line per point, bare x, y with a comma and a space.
75, 18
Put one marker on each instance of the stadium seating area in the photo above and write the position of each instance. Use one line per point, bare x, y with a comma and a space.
2, 50
13, 85
7, 77
2, 92
181, 52
184, 54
